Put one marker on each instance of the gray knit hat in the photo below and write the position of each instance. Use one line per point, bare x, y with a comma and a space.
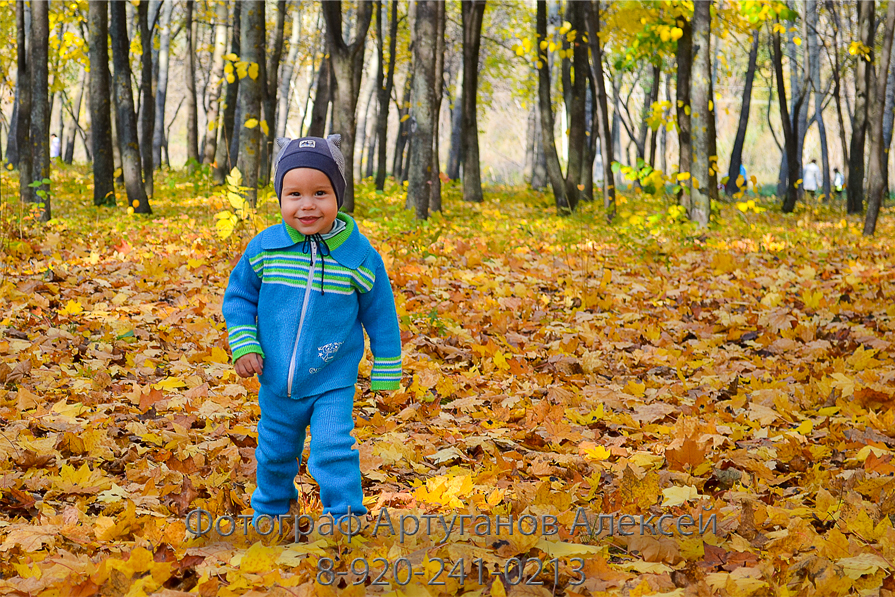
311, 152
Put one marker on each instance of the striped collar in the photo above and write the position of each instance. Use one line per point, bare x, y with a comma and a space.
349, 247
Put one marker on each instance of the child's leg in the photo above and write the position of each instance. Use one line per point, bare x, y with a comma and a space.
333, 463
281, 438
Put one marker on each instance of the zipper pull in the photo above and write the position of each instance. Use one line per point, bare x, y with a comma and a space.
313, 252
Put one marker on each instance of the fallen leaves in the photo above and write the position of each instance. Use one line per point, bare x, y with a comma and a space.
550, 367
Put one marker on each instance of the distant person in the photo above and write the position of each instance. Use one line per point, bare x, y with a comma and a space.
745, 186
809, 178
55, 146
838, 182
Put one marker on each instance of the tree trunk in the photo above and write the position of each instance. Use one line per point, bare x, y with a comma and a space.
798, 116
789, 135
615, 79
403, 128
238, 121
286, 80
472, 15
422, 100
577, 138
100, 106
127, 120
363, 125
596, 66
713, 141
346, 61
837, 90
814, 76
192, 111
381, 108
384, 95
269, 95
878, 158
700, 91
251, 50
377, 86
224, 157
654, 133
648, 98
590, 138
855, 188
68, 143
216, 81
802, 124
441, 21
322, 97
13, 153
147, 109
158, 129
663, 138
684, 56
40, 106
736, 156
20, 156
554, 170
888, 121
453, 165
539, 158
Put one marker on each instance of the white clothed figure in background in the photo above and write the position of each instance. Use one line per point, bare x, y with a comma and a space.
810, 176
55, 146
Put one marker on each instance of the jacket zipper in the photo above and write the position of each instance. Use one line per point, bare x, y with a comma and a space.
301, 319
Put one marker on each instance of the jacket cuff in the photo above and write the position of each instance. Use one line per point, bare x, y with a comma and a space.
386, 374
385, 385
253, 348
243, 339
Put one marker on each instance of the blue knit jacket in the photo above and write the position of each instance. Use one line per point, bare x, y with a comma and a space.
310, 336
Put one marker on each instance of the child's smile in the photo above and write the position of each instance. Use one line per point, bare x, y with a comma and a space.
308, 201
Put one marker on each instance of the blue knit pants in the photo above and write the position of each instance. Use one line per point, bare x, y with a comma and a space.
334, 464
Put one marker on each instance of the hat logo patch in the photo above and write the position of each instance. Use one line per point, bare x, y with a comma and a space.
307, 143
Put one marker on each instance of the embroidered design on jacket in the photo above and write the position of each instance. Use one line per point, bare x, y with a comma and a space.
327, 352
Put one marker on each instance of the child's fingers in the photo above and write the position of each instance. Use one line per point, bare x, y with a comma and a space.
257, 364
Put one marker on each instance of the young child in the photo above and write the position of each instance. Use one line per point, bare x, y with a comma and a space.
294, 308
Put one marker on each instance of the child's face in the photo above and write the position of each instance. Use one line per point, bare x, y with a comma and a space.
309, 202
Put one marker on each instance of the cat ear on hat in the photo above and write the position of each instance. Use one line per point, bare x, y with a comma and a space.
283, 142
335, 140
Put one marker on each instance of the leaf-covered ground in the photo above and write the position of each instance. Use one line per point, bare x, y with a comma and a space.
551, 364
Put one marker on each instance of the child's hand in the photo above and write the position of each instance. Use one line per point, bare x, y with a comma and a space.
249, 364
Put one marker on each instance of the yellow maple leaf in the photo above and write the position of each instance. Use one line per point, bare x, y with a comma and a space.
170, 383
72, 308
599, 453
445, 490
561, 549
257, 558
862, 359
675, 496
805, 427
497, 589
634, 388
811, 298
296, 553
844, 383
866, 563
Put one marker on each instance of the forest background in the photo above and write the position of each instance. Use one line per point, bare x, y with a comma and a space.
598, 311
